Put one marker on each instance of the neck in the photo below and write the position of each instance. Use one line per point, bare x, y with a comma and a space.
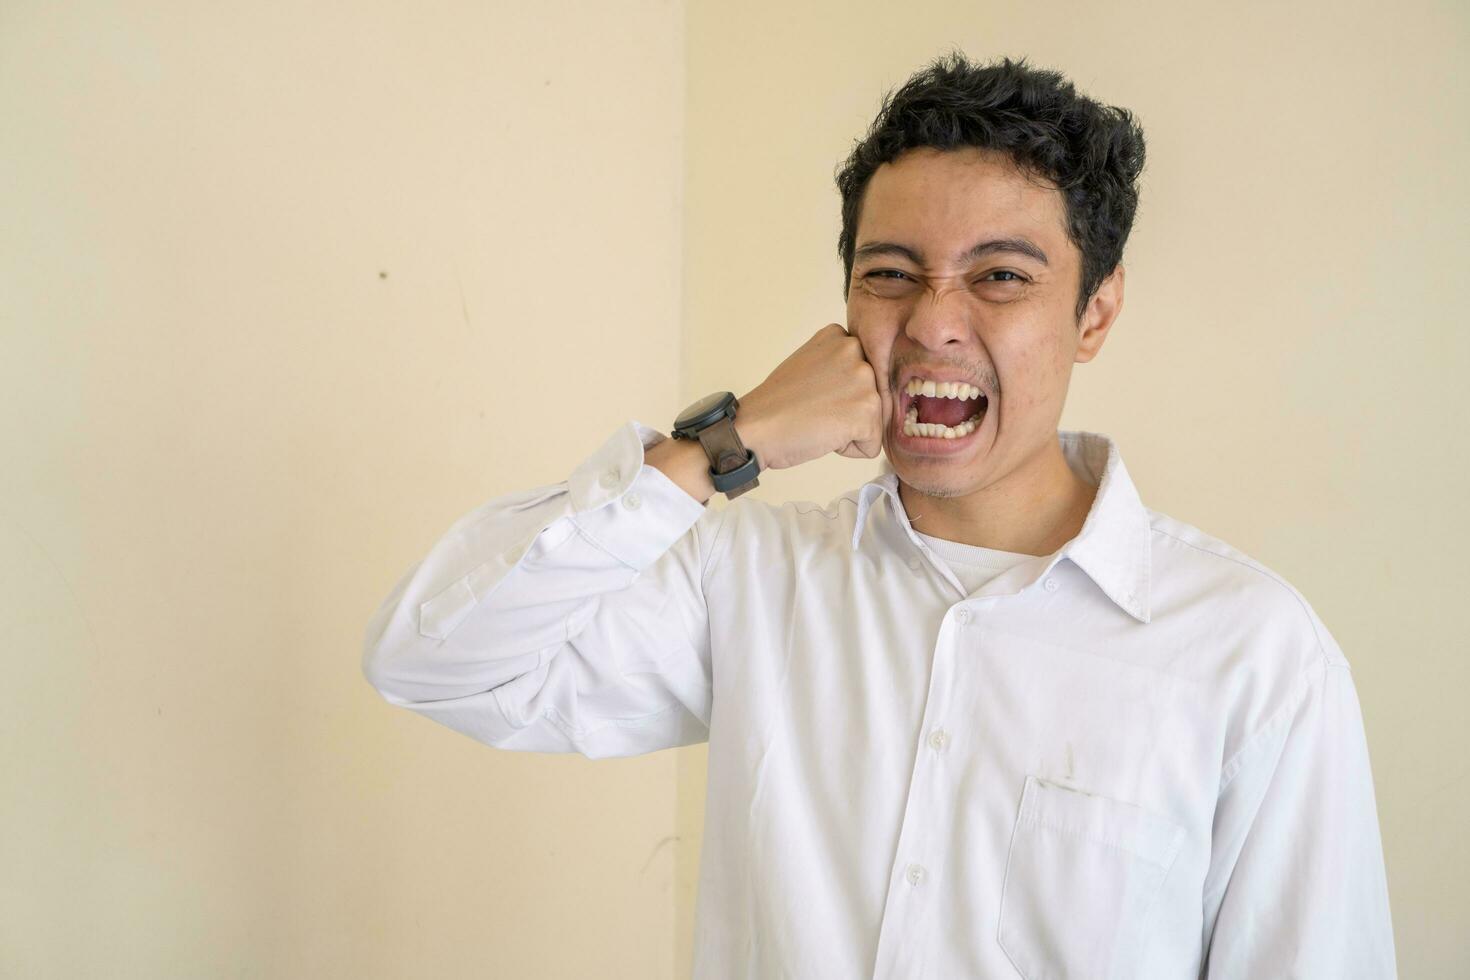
1034, 510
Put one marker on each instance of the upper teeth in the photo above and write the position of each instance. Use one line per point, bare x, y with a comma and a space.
943, 389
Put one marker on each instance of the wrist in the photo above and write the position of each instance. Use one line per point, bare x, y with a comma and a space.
751, 438
685, 464
755, 435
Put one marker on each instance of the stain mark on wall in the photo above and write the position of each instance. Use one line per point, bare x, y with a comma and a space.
654, 853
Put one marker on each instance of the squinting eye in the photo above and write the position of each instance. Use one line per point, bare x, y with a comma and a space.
888, 283
895, 274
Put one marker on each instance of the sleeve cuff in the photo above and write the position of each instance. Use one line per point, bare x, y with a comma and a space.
630, 509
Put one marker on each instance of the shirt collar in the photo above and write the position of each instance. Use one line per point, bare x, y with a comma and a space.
1114, 546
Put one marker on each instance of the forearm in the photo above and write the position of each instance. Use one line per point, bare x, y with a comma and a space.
517, 577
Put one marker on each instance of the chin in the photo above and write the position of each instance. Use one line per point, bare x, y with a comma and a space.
932, 489
925, 480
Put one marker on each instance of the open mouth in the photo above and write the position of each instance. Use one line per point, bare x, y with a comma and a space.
950, 413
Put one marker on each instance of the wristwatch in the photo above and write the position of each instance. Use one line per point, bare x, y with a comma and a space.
711, 420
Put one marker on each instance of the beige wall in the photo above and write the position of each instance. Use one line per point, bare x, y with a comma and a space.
280, 291
1288, 371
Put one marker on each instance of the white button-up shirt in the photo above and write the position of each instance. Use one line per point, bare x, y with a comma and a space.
1140, 756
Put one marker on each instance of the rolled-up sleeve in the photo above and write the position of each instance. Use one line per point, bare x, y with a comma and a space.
566, 618
1297, 885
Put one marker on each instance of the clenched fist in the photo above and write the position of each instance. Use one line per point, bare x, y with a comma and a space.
824, 398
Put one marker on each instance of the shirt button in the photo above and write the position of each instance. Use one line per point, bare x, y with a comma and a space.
1051, 585
915, 874
938, 739
631, 501
963, 616
916, 563
610, 478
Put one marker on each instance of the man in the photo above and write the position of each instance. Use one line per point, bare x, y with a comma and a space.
985, 716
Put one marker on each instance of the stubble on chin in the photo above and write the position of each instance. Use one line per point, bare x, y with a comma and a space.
936, 491
920, 491
923, 489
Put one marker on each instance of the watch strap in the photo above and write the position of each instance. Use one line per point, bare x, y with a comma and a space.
733, 468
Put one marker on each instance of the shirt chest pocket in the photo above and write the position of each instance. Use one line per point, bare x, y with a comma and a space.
1081, 879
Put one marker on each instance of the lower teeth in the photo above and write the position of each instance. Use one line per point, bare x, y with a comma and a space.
934, 430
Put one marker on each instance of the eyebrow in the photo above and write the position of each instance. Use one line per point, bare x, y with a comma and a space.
1019, 246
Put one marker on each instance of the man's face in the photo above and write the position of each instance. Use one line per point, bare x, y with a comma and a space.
924, 306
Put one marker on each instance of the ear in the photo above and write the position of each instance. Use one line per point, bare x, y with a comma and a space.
1102, 309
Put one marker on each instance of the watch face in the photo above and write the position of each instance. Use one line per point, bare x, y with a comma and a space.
707, 407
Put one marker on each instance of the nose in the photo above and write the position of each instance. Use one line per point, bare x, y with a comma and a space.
938, 318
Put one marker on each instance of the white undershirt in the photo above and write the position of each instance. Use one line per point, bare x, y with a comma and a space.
972, 565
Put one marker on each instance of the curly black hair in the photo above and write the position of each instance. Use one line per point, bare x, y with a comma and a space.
1093, 154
